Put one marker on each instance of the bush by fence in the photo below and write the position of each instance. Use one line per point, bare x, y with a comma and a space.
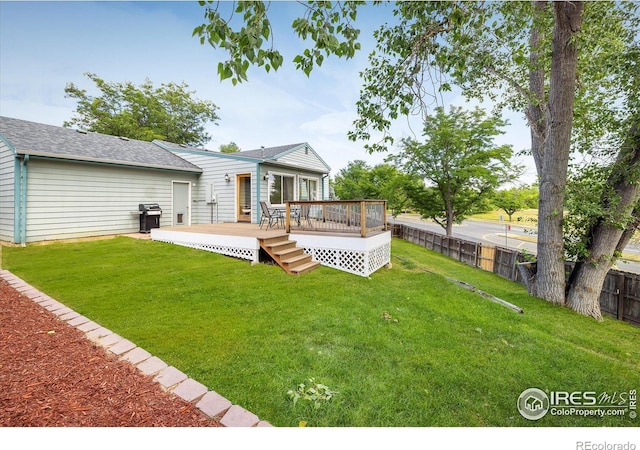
619, 297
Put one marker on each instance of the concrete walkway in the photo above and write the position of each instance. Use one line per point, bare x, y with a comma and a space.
170, 378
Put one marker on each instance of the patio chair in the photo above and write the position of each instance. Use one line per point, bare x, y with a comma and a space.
271, 216
304, 214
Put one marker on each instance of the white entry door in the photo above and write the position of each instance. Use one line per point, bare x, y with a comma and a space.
181, 201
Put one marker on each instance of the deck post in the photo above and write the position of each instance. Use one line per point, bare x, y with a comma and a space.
287, 223
363, 219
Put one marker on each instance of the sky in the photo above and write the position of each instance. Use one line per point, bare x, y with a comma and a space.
46, 45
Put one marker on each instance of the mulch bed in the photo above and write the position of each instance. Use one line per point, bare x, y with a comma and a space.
52, 376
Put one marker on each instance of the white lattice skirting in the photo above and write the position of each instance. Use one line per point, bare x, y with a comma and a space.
360, 256
236, 246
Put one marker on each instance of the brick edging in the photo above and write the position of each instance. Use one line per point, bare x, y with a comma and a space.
170, 378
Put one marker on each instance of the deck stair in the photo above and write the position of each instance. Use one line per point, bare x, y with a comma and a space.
287, 255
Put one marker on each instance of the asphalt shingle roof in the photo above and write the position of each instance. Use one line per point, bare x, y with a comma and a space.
269, 152
57, 142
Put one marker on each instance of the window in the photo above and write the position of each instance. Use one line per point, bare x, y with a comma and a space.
280, 189
308, 188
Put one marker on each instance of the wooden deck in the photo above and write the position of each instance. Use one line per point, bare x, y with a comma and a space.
231, 229
344, 251
253, 230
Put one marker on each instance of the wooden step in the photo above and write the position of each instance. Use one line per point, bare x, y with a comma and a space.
295, 261
287, 255
305, 268
288, 252
280, 245
272, 239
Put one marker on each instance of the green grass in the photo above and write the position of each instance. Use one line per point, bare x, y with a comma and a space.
525, 217
403, 348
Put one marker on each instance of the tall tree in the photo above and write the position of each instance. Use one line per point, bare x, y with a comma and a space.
515, 199
459, 162
355, 182
144, 112
483, 48
360, 181
525, 56
231, 147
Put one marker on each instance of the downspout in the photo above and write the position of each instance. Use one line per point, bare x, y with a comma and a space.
23, 227
17, 209
21, 197
258, 178
323, 193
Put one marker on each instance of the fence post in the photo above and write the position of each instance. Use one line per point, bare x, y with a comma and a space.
620, 278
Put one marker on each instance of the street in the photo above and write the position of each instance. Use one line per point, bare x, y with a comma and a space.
499, 234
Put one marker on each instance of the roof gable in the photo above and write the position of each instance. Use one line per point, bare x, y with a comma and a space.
281, 153
36, 139
275, 155
269, 152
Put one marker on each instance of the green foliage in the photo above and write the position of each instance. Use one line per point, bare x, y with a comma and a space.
592, 202
328, 26
515, 199
459, 162
314, 393
231, 147
144, 112
360, 181
355, 182
484, 48
583, 202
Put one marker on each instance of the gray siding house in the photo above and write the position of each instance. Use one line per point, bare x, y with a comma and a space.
238, 182
59, 183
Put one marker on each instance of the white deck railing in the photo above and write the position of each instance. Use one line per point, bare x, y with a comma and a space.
337, 216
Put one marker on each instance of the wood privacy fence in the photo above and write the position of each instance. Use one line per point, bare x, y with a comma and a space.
619, 298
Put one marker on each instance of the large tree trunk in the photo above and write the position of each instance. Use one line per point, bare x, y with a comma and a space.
535, 111
608, 236
550, 277
450, 217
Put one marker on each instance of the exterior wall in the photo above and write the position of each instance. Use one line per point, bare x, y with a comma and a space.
70, 200
323, 192
326, 194
304, 158
7, 189
214, 167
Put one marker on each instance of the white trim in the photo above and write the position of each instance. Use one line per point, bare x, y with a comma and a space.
282, 174
356, 255
306, 177
188, 183
236, 246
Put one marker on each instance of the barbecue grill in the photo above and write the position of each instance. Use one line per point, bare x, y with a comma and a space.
149, 216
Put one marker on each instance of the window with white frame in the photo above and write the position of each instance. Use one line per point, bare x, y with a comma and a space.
307, 188
281, 189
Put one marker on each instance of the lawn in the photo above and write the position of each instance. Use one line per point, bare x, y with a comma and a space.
524, 217
403, 348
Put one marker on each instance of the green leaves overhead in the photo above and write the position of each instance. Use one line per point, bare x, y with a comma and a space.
245, 45
327, 26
